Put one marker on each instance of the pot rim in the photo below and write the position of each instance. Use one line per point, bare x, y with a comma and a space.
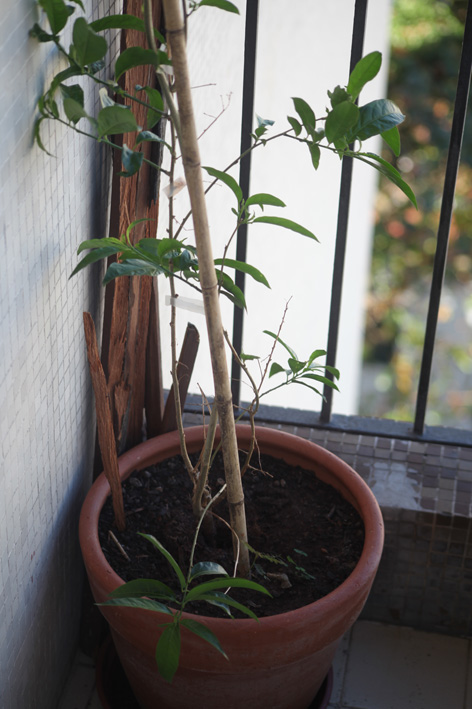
157, 448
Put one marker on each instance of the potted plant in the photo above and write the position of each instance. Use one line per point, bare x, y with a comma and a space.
279, 660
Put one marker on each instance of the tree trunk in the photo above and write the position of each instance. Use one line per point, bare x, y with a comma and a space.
130, 343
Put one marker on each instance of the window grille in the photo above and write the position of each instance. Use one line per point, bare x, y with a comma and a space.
381, 427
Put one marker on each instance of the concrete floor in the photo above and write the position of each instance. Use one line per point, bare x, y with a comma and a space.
378, 666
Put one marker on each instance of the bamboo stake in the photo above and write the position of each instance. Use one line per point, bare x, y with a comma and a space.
208, 280
106, 436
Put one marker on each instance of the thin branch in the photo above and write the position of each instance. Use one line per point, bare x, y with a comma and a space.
235, 162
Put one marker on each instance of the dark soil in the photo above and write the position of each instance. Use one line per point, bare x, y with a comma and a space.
308, 527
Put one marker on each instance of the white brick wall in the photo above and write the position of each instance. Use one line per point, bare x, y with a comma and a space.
47, 206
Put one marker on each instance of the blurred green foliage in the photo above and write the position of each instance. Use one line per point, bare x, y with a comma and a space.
426, 48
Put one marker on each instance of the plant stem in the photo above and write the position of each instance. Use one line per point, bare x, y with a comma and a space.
235, 162
192, 167
161, 77
198, 493
105, 141
173, 335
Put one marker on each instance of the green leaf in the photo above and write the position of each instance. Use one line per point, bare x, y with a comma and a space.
57, 13
113, 120
308, 386
52, 106
247, 357
286, 224
228, 181
244, 267
392, 138
132, 161
306, 114
122, 22
62, 76
134, 267
259, 132
217, 584
207, 568
340, 120
279, 339
99, 243
232, 289
138, 56
97, 66
93, 257
169, 558
319, 378
225, 600
135, 223
38, 33
203, 632
88, 45
315, 354
156, 106
37, 135
213, 600
168, 247
275, 369
145, 604
147, 135
315, 153
143, 587
74, 91
388, 171
339, 95
375, 118
295, 125
74, 110
295, 365
333, 371
168, 651
364, 71
221, 4
264, 198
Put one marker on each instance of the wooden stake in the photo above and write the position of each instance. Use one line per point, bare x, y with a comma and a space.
175, 29
185, 366
106, 436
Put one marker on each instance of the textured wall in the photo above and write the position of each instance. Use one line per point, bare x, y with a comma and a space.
47, 206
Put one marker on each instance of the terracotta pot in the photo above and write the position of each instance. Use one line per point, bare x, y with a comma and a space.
114, 691
279, 662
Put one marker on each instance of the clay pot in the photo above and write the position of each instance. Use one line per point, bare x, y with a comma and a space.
114, 691
279, 662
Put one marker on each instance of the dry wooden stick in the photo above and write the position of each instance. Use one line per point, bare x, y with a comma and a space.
106, 436
175, 28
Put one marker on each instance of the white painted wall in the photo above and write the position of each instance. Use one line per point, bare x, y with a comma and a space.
303, 50
47, 206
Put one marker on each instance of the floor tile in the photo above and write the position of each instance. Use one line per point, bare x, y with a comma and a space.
80, 685
392, 667
468, 694
339, 668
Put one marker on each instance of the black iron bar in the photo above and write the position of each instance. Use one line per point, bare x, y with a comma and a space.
452, 166
249, 80
358, 32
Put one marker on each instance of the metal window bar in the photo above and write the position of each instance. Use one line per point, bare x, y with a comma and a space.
249, 80
354, 423
452, 166
357, 45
